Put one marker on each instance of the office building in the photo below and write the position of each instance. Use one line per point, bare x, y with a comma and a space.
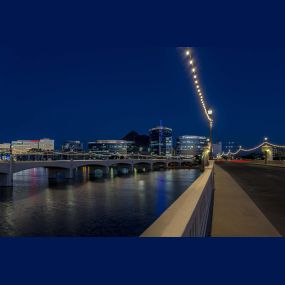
161, 141
46, 145
5, 147
107, 147
189, 146
26, 146
72, 146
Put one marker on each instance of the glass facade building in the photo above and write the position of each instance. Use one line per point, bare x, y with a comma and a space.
189, 146
106, 147
72, 146
161, 141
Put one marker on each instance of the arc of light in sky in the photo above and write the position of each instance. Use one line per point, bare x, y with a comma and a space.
196, 82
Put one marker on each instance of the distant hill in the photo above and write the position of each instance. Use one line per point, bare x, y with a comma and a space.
140, 140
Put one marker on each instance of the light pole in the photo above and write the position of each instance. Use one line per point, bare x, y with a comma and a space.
267, 149
210, 114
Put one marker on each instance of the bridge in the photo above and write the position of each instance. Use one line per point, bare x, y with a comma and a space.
229, 199
234, 197
66, 168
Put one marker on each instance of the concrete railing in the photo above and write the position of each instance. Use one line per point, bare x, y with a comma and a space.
190, 215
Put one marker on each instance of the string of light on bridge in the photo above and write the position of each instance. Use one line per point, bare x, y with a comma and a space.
197, 83
265, 143
243, 149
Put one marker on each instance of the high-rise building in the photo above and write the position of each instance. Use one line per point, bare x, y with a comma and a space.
72, 146
107, 147
161, 141
26, 146
189, 146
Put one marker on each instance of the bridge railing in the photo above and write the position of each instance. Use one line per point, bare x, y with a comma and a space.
190, 215
85, 156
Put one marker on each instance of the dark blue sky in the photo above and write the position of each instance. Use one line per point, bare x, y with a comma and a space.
88, 93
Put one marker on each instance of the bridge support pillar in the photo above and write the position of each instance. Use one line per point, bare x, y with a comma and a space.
6, 179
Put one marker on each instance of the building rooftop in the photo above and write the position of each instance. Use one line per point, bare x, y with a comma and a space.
111, 141
192, 137
160, 128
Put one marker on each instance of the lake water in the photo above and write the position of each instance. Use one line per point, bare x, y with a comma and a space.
120, 206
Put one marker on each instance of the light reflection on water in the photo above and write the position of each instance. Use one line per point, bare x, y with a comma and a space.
118, 206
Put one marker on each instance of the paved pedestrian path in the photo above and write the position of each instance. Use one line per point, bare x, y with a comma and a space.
234, 213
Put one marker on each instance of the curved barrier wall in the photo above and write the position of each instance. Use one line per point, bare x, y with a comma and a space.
190, 215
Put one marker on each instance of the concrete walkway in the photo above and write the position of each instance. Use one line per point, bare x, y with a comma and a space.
234, 213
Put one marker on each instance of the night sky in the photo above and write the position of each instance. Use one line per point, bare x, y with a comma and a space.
88, 93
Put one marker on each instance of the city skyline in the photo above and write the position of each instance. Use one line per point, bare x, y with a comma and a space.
103, 93
58, 144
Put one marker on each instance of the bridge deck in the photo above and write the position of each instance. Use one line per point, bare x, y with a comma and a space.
235, 213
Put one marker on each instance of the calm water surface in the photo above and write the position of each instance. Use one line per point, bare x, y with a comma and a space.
120, 206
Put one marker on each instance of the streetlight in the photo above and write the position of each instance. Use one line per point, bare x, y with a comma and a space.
210, 114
